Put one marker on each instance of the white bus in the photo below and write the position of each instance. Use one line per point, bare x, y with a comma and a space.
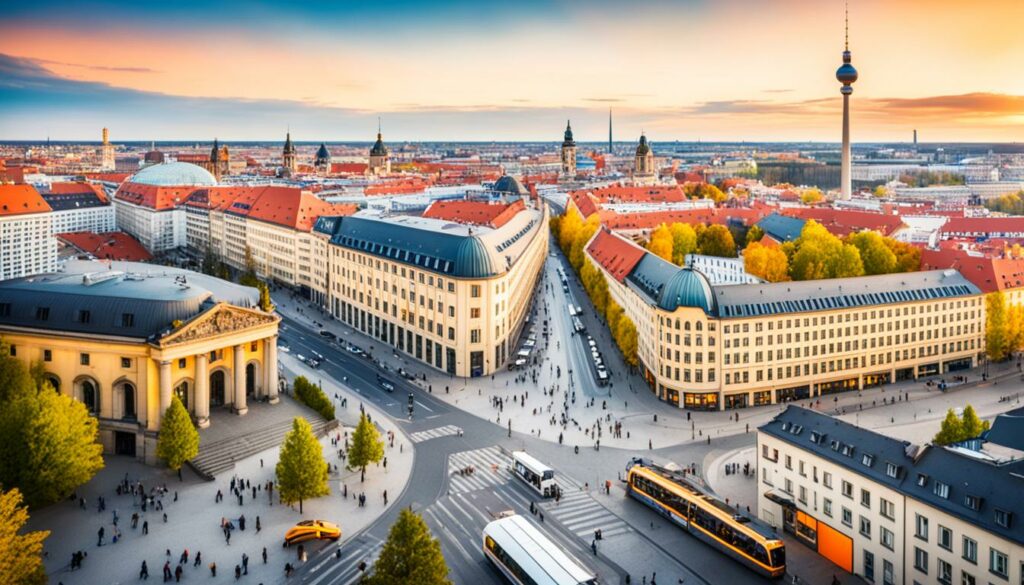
524, 555
539, 476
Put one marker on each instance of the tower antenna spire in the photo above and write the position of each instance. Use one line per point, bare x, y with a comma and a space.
846, 26
378, 124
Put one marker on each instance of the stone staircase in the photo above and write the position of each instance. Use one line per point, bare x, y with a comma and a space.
219, 456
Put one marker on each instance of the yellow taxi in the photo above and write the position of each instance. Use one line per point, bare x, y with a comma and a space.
310, 530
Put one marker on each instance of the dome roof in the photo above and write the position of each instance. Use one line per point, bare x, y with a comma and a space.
289, 148
643, 149
568, 135
511, 185
154, 156
378, 147
687, 288
174, 174
472, 259
323, 155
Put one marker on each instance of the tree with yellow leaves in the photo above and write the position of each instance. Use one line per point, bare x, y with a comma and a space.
811, 196
660, 243
766, 262
684, 241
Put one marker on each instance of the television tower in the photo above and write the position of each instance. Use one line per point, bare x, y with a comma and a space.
609, 131
846, 75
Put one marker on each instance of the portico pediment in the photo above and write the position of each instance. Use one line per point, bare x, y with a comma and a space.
219, 320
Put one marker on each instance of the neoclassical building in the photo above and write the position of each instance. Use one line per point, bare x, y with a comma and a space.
122, 338
705, 346
450, 289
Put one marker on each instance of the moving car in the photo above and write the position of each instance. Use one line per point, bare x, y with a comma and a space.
310, 530
387, 385
328, 335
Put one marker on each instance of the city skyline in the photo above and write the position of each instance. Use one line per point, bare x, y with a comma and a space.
328, 72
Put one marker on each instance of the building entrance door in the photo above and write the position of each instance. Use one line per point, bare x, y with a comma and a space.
217, 388
124, 443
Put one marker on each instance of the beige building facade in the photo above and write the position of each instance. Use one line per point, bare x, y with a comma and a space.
117, 341
455, 297
722, 347
888, 511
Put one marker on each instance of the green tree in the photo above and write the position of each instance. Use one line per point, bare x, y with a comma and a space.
367, 446
971, 425
754, 234
996, 326
950, 431
684, 241
766, 262
249, 277
818, 254
661, 242
410, 555
877, 257
21, 561
313, 396
301, 470
716, 240
48, 441
178, 440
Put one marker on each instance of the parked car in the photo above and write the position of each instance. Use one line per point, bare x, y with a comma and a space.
312, 530
386, 385
328, 335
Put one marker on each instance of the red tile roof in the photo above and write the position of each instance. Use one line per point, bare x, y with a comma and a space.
152, 196
108, 246
615, 254
349, 168
286, 206
983, 225
20, 200
987, 273
78, 188
841, 222
475, 212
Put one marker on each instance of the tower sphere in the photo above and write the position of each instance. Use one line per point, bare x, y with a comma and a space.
846, 74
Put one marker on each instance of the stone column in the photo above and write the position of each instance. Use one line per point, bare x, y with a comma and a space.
270, 357
202, 393
165, 386
239, 389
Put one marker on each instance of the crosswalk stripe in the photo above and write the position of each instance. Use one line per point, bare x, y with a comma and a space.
345, 570
435, 433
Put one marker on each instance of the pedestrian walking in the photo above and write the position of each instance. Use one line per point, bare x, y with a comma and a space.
144, 571
199, 559
100, 533
177, 573
238, 572
258, 525
145, 527
264, 555
167, 571
245, 564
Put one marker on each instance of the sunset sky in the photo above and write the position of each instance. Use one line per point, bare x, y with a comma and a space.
510, 70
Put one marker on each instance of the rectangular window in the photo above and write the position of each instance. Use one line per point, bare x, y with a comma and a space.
847, 489
945, 538
865, 498
945, 575
83, 359
865, 526
42, 313
474, 313
5, 309
474, 291
826, 478
827, 507
474, 336
921, 560
47, 355
126, 362
922, 527
888, 508
967, 578
998, 563
888, 574
127, 320
970, 550
84, 316
847, 517
887, 538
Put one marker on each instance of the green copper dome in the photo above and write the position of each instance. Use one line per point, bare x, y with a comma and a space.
378, 147
687, 288
472, 259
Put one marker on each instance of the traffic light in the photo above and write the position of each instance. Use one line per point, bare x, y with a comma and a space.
412, 399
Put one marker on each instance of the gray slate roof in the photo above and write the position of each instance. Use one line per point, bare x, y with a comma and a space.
781, 228
749, 300
996, 485
1007, 430
66, 201
151, 294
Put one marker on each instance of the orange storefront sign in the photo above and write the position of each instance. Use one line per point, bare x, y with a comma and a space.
835, 546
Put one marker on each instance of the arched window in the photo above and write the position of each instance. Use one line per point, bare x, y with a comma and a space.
128, 401
90, 396
700, 326
182, 392
54, 381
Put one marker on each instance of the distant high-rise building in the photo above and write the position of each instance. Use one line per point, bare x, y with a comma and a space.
380, 158
846, 75
568, 152
288, 157
915, 136
108, 163
609, 130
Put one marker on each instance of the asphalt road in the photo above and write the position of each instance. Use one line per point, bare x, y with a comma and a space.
457, 507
